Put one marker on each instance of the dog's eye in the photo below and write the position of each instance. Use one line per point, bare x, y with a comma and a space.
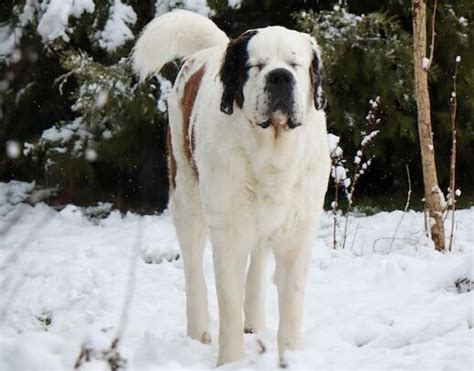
257, 66
295, 65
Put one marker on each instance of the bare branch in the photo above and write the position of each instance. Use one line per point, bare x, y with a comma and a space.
130, 288
111, 356
389, 238
407, 204
453, 102
433, 35
14, 279
372, 121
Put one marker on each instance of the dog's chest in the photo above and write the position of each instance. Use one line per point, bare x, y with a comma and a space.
280, 199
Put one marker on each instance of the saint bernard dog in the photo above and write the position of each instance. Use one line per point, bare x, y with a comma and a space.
248, 166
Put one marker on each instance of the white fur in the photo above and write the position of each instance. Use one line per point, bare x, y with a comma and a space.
259, 190
176, 34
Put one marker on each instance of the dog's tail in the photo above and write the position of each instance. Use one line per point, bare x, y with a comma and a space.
173, 35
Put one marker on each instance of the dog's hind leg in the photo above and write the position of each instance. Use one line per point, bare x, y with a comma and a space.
190, 228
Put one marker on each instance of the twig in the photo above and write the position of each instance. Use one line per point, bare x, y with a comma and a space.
453, 102
11, 262
389, 238
433, 35
261, 347
334, 211
372, 119
36, 197
130, 288
111, 355
425, 214
336, 163
407, 204
355, 235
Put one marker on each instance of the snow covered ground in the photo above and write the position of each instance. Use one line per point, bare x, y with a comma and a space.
371, 306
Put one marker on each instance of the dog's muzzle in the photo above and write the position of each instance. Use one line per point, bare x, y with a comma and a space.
279, 87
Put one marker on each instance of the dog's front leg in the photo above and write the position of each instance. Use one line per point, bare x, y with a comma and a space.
230, 257
291, 273
254, 306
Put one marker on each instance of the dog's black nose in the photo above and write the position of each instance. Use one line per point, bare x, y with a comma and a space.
280, 77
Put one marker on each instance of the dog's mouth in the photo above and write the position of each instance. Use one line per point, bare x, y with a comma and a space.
280, 117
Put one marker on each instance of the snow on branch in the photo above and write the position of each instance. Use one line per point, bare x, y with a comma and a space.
54, 22
197, 6
116, 31
339, 172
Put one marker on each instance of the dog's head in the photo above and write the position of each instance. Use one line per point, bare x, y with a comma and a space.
273, 75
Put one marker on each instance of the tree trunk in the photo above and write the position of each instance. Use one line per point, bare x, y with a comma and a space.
432, 191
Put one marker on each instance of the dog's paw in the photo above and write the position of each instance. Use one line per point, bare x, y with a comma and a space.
201, 336
206, 338
248, 329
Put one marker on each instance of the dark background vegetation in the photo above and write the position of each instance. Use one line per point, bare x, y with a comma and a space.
367, 58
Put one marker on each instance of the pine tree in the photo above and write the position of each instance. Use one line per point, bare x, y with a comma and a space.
368, 55
72, 101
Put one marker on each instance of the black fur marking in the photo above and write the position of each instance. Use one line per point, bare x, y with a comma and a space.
234, 73
316, 73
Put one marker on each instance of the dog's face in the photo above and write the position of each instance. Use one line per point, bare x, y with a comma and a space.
273, 75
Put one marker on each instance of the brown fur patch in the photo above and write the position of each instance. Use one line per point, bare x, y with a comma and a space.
191, 89
171, 161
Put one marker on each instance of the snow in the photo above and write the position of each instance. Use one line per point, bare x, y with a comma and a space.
116, 31
197, 6
11, 194
57, 134
90, 155
374, 103
61, 135
13, 149
339, 173
8, 38
165, 90
101, 99
333, 141
378, 304
54, 21
463, 21
425, 63
347, 22
28, 13
442, 199
81, 6
234, 4
368, 138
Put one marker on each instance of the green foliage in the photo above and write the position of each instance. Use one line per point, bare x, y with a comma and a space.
89, 127
86, 124
114, 114
365, 56
369, 52
45, 319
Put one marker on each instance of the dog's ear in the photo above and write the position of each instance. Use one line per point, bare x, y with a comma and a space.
233, 73
316, 75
